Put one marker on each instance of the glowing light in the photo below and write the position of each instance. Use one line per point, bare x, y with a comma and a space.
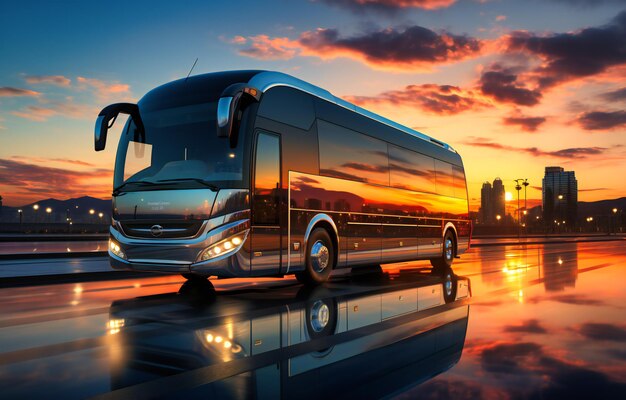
227, 344
209, 337
218, 339
498, 217
48, 210
560, 261
228, 245
236, 241
36, 207
560, 197
78, 289
508, 196
92, 211
231, 155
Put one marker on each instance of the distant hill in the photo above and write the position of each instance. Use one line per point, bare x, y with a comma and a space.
76, 208
602, 207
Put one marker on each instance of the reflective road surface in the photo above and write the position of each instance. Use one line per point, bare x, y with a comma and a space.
515, 322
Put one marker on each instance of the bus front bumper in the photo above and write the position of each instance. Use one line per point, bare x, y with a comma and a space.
184, 256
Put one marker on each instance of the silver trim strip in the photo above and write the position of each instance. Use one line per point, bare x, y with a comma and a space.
377, 215
153, 261
429, 226
266, 80
366, 223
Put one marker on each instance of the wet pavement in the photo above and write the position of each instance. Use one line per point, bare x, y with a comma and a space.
543, 321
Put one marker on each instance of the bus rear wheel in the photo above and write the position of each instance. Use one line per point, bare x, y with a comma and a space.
320, 258
444, 262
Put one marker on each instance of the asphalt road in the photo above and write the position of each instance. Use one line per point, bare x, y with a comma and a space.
544, 321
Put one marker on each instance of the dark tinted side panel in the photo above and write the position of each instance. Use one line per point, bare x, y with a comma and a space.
289, 106
445, 182
347, 154
411, 170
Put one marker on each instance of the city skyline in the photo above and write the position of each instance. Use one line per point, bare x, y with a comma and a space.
508, 86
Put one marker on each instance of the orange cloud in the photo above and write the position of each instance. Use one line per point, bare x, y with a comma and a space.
49, 109
104, 90
7, 91
263, 47
390, 5
58, 80
431, 98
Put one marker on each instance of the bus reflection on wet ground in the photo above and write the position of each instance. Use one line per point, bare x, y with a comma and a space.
547, 321
368, 338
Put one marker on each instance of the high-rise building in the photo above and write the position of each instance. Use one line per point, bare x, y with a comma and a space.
492, 202
486, 205
559, 190
498, 198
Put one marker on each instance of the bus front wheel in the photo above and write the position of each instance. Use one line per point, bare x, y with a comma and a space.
320, 258
440, 264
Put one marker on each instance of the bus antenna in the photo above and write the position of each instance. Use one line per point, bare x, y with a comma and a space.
192, 67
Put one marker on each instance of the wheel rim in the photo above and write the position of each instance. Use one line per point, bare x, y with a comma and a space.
448, 284
319, 256
320, 315
448, 249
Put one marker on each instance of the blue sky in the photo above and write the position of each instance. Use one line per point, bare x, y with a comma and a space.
102, 53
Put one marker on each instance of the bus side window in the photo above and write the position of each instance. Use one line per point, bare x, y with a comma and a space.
460, 189
445, 182
347, 154
266, 179
411, 170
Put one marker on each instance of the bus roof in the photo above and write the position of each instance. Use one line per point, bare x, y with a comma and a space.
265, 80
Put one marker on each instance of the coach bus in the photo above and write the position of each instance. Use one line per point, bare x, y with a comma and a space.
258, 173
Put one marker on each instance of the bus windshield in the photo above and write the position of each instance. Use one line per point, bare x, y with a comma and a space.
180, 149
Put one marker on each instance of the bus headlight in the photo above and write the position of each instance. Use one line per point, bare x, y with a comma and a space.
224, 247
114, 248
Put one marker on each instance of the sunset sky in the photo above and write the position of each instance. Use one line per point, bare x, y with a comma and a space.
514, 86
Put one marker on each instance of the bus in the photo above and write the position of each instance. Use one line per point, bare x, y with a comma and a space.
258, 173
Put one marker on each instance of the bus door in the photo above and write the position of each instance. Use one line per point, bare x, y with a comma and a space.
265, 233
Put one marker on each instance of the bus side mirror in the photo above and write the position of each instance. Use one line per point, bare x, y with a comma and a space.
106, 119
230, 107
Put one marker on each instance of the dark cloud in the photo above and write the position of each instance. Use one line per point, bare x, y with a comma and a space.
528, 124
588, 3
567, 56
508, 358
389, 6
569, 153
602, 120
7, 91
527, 361
603, 331
413, 44
408, 48
528, 326
592, 189
615, 95
503, 85
436, 99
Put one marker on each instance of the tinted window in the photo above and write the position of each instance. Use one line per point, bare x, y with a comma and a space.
411, 170
351, 155
460, 189
266, 179
289, 106
445, 182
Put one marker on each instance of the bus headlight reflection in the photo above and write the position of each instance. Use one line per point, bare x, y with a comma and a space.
115, 249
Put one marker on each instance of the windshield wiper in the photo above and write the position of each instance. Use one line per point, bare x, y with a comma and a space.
118, 189
200, 181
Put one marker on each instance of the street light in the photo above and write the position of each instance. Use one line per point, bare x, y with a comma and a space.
498, 217
100, 215
560, 197
92, 211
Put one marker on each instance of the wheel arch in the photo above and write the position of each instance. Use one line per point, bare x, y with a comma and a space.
326, 222
450, 227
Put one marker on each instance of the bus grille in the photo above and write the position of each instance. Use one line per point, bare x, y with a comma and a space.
170, 229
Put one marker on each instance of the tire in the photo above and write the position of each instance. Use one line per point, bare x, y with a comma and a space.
321, 318
194, 277
449, 251
449, 283
320, 258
